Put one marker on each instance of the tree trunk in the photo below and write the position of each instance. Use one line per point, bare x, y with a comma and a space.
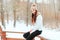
2, 14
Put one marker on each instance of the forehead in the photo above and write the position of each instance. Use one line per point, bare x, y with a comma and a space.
33, 4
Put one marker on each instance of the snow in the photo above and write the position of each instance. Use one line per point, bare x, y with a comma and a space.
21, 27
51, 34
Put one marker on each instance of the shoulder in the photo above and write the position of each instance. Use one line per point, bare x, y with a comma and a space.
39, 14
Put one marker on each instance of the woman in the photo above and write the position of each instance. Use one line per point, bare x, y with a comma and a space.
37, 24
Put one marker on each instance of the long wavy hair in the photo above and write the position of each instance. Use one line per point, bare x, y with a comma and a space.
34, 16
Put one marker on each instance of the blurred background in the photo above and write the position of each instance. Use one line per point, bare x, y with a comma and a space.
17, 10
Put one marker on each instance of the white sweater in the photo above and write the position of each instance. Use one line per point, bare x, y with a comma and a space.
39, 23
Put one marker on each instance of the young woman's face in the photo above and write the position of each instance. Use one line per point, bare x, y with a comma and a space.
33, 8
33, 11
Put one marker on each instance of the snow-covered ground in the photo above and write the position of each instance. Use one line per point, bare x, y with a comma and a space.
21, 27
51, 34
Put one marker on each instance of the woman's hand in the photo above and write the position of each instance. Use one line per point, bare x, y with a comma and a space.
30, 31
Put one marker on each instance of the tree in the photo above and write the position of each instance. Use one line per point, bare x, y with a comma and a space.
2, 14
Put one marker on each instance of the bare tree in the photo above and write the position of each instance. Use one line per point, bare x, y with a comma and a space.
14, 12
2, 14
7, 17
27, 10
14, 17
